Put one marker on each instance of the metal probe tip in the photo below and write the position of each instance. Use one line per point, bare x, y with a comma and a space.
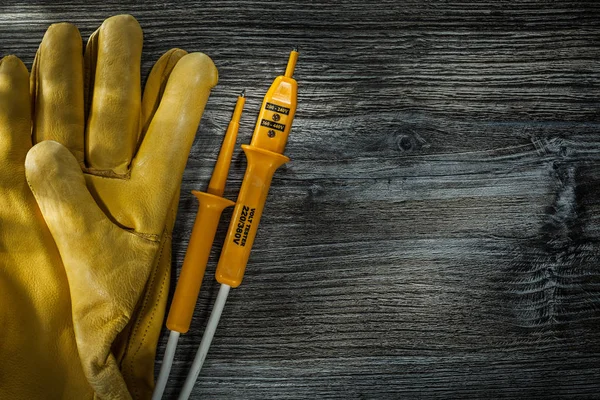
295, 49
243, 93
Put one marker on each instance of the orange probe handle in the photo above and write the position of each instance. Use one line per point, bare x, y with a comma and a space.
196, 258
264, 155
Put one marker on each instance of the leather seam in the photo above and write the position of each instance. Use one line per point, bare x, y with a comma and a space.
136, 329
35, 93
151, 237
107, 173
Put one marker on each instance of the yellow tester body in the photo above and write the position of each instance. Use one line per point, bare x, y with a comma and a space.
264, 156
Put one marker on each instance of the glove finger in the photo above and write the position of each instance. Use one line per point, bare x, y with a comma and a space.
162, 156
156, 83
153, 92
57, 89
107, 267
113, 57
15, 112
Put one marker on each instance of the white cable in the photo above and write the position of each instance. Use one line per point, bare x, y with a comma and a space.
165, 368
209, 332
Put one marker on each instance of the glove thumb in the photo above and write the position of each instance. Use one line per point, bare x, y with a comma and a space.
106, 266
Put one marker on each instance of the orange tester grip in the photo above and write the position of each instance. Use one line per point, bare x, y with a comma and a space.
264, 156
210, 208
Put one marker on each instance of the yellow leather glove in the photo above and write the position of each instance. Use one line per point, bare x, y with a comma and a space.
89, 325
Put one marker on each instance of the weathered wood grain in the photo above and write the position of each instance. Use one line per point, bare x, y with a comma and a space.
437, 233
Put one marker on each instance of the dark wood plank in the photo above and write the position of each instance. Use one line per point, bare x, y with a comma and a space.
436, 234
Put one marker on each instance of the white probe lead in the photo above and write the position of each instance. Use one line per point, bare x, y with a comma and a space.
165, 368
207, 338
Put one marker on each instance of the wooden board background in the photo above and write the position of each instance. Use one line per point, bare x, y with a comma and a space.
436, 234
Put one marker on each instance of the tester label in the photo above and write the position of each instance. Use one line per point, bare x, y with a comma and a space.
243, 226
278, 109
272, 125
